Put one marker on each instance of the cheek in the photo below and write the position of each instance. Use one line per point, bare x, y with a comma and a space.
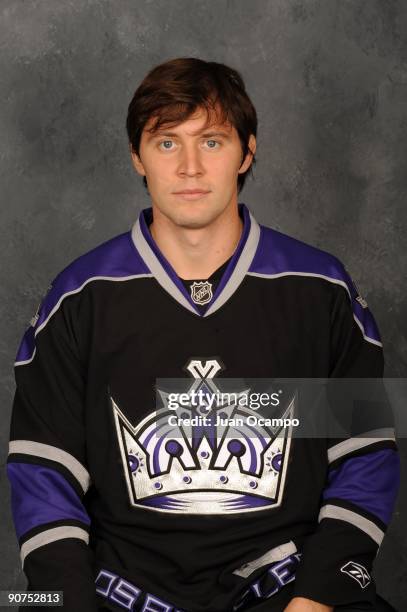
226, 169
226, 164
158, 171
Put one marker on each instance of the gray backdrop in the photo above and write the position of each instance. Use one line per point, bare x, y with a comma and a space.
329, 80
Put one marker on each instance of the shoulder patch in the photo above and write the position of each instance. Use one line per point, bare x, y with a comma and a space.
34, 319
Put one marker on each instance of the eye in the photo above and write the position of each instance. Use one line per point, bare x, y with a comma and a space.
166, 145
212, 144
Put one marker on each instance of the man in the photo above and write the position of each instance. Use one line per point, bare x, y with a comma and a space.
177, 515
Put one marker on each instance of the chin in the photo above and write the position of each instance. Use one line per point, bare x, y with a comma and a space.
195, 219
193, 224
196, 215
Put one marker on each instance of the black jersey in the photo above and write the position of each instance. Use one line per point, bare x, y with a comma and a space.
124, 509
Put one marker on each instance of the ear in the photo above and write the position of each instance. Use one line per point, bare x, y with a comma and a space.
137, 163
249, 157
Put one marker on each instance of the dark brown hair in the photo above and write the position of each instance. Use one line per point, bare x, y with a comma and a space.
173, 91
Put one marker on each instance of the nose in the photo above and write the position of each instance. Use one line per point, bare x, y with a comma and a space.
190, 162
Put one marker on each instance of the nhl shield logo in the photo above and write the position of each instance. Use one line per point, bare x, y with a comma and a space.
201, 293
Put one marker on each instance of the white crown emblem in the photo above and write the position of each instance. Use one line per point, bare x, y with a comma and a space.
208, 468
201, 293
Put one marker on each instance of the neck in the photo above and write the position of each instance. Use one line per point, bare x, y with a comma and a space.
197, 253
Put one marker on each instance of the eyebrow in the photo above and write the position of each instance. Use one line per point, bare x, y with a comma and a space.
207, 134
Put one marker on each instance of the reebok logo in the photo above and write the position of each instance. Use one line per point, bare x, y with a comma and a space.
357, 572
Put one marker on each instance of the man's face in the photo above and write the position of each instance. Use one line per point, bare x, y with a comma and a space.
192, 169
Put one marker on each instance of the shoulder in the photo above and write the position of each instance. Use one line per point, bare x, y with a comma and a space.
281, 255
114, 260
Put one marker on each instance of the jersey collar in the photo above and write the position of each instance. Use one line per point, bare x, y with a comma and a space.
166, 276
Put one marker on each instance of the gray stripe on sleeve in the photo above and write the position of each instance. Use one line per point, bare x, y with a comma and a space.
278, 553
352, 444
52, 535
362, 523
46, 451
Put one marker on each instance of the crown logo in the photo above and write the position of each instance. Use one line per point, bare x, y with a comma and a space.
205, 456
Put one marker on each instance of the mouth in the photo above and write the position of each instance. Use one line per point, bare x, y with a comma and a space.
191, 194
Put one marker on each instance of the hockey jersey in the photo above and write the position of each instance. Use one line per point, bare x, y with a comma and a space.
123, 503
